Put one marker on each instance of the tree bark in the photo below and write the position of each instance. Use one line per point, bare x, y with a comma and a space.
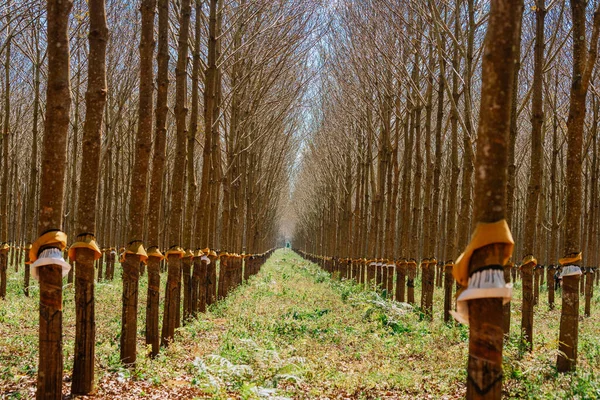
85, 328
27, 274
464, 222
535, 178
583, 65
158, 172
172, 299
152, 305
139, 178
131, 276
174, 263
485, 315
52, 184
5, 170
210, 100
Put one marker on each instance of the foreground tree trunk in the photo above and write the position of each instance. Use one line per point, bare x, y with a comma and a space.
52, 183
33, 169
27, 275
172, 294
552, 267
192, 292
156, 183
211, 104
527, 270
174, 255
583, 65
85, 250
4, 249
451, 234
491, 244
535, 179
135, 252
4, 139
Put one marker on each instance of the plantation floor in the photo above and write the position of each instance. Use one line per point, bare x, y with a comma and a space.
292, 332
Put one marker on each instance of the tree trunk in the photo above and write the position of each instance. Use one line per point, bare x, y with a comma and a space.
52, 184
210, 104
85, 328
50, 368
552, 267
192, 185
216, 172
156, 184
5, 170
33, 169
451, 234
535, 178
139, 177
464, 221
27, 274
131, 276
583, 65
485, 314
172, 298
152, 305
174, 262
186, 269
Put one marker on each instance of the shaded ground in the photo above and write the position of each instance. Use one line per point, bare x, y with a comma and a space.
293, 332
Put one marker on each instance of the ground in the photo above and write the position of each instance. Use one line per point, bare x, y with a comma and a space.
292, 332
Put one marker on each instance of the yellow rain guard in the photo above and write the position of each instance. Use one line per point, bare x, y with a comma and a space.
27, 248
137, 248
486, 283
155, 252
223, 254
86, 241
198, 253
529, 260
570, 265
484, 235
573, 259
175, 250
54, 238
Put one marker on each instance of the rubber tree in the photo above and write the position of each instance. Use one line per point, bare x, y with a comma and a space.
4, 141
535, 179
191, 278
51, 241
156, 179
491, 244
85, 250
135, 253
584, 60
210, 106
175, 253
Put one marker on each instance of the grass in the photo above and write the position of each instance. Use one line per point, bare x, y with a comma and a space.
293, 332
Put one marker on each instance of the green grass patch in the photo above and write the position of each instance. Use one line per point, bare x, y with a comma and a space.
292, 331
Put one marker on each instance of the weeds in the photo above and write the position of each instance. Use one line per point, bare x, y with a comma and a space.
294, 332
